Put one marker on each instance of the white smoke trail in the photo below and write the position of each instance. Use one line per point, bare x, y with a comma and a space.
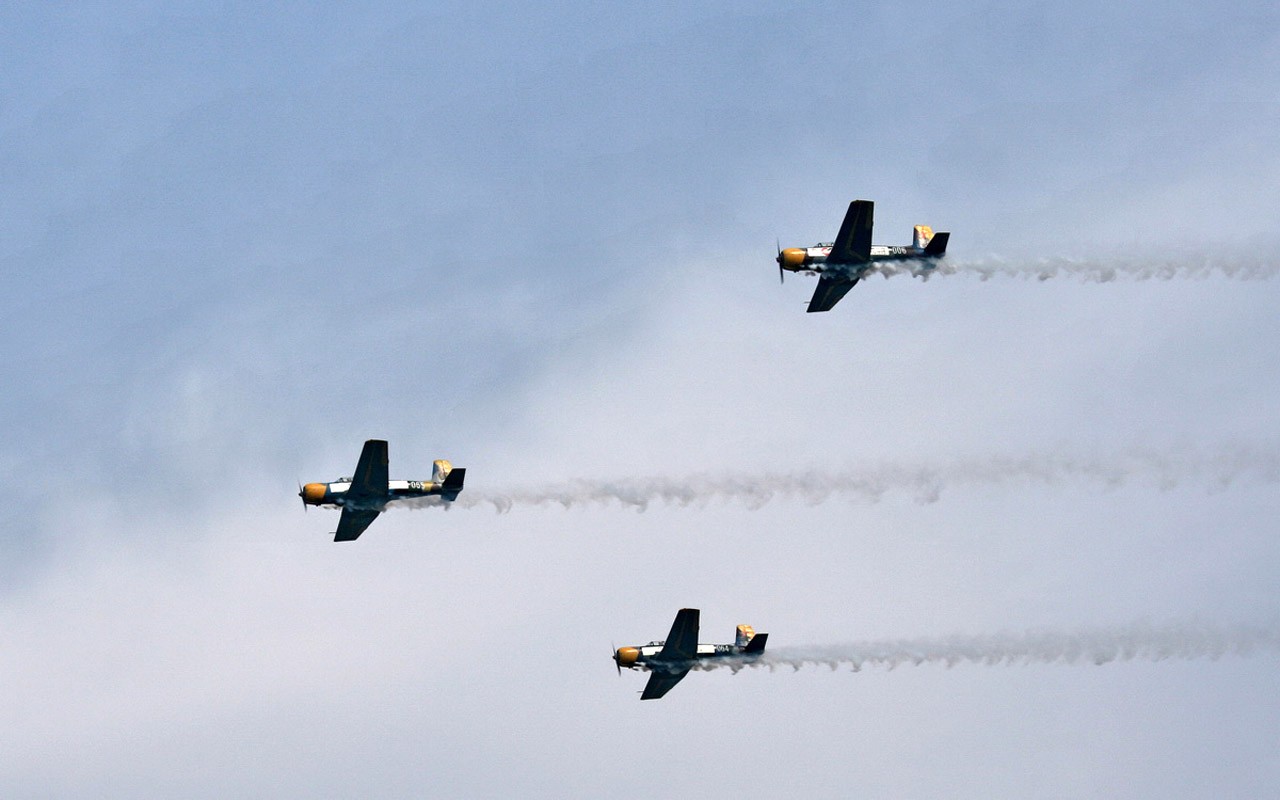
1212, 470
1138, 641
1245, 266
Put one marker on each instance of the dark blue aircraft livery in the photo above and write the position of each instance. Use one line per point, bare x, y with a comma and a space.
669, 661
842, 263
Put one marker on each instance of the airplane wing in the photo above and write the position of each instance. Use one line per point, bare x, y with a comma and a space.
370, 480
682, 642
352, 524
660, 683
853, 244
829, 292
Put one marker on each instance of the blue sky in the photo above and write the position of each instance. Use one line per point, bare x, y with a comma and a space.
539, 242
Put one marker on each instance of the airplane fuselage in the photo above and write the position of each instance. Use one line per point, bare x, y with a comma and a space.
669, 661
646, 657
839, 265
815, 259
334, 494
363, 496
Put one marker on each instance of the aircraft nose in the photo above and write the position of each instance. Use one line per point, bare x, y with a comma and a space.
626, 656
312, 494
792, 257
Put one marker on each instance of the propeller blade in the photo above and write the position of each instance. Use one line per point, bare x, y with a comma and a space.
782, 275
616, 662
302, 497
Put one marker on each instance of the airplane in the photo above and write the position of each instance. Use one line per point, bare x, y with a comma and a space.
668, 662
365, 495
842, 263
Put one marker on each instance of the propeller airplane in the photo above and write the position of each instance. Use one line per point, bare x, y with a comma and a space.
366, 494
669, 661
844, 262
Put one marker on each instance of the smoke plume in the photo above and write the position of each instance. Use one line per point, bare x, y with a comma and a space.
1164, 470
1134, 642
1245, 266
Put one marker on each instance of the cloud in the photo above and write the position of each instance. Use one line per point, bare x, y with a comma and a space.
539, 244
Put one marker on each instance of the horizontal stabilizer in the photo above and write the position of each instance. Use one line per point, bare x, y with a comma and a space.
453, 483
756, 645
938, 244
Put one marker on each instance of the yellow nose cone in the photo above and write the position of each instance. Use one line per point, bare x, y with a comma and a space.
313, 493
627, 656
792, 257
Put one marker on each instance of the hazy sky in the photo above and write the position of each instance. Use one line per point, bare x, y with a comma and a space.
236, 243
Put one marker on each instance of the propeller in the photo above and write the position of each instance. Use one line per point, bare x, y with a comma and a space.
782, 275
616, 662
302, 497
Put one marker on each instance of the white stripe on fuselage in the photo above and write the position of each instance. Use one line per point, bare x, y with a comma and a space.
396, 490
651, 650
877, 251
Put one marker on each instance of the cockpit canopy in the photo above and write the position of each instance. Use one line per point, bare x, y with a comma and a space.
343, 480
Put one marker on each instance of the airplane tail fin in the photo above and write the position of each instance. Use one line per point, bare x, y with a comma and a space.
453, 483
937, 246
756, 645
440, 470
922, 236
